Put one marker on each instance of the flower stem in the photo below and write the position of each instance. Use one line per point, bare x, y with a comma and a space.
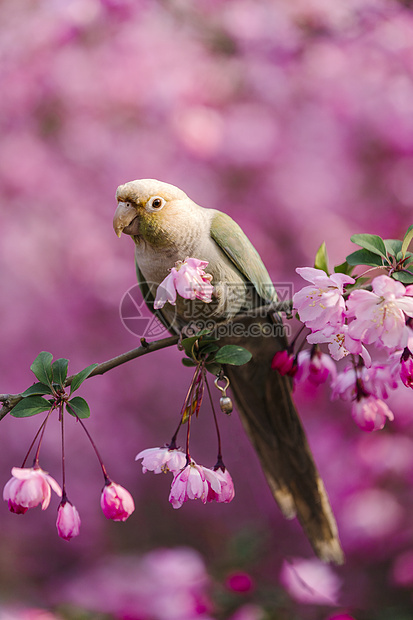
172, 444
219, 456
41, 431
61, 416
188, 433
105, 473
34, 440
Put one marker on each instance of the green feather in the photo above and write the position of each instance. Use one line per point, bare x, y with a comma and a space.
239, 249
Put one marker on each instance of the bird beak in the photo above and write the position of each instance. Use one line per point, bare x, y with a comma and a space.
124, 215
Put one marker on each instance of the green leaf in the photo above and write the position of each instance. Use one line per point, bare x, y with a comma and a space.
344, 268
80, 377
364, 257
232, 354
402, 276
321, 258
393, 246
188, 362
32, 405
59, 371
37, 389
42, 367
407, 239
373, 243
77, 406
213, 368
188, 343
209, 348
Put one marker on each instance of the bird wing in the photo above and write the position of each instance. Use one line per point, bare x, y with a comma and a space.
235, 244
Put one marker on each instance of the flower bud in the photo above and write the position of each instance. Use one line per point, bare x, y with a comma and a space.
68, 520
284, 362
116, 502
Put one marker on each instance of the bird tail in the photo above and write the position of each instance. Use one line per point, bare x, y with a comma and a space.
264, 402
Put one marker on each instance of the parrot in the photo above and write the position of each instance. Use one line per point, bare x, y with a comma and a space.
166, 226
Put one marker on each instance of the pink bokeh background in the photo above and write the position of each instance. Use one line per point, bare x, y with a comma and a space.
296, 119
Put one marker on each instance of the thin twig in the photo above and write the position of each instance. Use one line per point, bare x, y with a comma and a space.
148, 347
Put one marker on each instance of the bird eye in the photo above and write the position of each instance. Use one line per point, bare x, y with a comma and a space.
155, 203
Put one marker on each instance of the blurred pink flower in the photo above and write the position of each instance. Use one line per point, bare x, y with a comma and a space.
322, 305
239, 581
370, 413
165, 584
342, 616
68, 520
249, 612
310, 581
379, 314
314, 367
283, 361
380, 378
28, 488
188, 279
376, 380
344, 385
402, 572
116, 502
386, 454
18, 612
227, 492
193, 482
406, 371
371, 514
161, 460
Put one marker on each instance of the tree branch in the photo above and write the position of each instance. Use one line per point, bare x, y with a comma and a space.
10, 400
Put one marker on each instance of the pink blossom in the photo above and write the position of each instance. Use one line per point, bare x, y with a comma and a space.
283, 361
116, 502
161, 460
227, 492
189, 280
370, 413
310, 581
193, 482
68, 520
376, 380
379, 378
379, 315
340, 343
315, 367
344, 385
322, 304
28, 488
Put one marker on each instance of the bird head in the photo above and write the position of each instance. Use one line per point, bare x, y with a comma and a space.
149, 209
